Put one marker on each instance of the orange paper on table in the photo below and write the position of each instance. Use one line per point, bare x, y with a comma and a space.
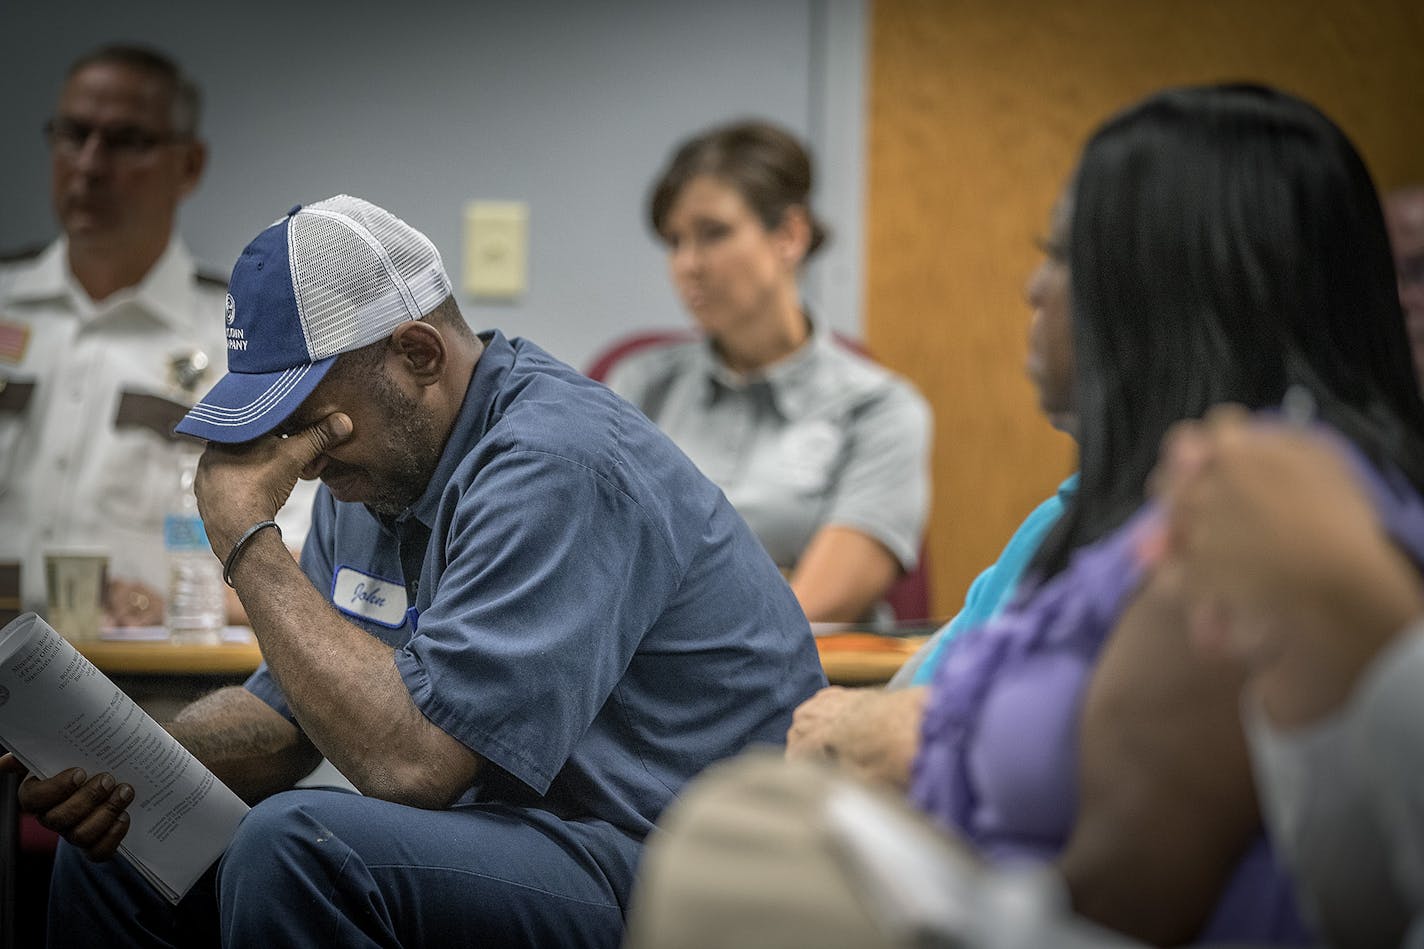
865, 642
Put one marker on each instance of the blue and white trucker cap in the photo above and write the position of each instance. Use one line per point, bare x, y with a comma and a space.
328, 278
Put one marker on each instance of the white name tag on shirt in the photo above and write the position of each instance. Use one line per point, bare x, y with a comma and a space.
370, 598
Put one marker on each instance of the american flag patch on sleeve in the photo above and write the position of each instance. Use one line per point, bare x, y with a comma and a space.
13, 339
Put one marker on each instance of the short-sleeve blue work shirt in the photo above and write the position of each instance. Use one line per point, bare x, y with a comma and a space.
592, 616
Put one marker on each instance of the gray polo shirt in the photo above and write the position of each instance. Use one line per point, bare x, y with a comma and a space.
822, 437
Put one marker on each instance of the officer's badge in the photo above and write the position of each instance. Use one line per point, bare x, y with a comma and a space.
187, 369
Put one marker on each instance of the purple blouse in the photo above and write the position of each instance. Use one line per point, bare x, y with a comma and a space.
998, 750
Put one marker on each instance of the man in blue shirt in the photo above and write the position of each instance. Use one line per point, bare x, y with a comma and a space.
522, 621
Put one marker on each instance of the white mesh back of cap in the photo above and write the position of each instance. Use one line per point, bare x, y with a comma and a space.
359, 272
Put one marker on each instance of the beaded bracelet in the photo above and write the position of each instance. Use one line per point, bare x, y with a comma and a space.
241, 543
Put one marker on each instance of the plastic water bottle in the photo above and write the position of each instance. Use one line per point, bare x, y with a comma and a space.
197, 601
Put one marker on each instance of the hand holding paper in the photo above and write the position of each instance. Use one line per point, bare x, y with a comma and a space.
61, 717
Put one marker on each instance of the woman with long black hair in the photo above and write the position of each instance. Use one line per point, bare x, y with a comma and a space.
1226, 246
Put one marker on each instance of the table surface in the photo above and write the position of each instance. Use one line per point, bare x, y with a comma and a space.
233, 656
864, 658
849, 658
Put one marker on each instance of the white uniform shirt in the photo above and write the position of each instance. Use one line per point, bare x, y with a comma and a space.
88, 388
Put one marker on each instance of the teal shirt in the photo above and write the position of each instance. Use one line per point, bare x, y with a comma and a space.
993, 589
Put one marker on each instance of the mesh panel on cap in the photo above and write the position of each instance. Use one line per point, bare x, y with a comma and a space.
351, 293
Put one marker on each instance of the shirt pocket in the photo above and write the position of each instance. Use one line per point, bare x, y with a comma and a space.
138, 478
17, 395
142, 464
807, 456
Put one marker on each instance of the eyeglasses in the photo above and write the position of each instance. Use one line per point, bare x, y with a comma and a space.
68, 137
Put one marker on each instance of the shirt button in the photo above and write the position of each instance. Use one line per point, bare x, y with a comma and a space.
61, 464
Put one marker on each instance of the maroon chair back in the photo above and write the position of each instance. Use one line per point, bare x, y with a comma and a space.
910, 596
621, 349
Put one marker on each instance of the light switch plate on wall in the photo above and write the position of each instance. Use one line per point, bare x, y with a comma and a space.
496, 249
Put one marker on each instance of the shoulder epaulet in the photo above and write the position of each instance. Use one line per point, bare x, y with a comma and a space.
25, 253
211, 277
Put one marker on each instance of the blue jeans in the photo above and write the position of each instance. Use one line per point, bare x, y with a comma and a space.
329, 868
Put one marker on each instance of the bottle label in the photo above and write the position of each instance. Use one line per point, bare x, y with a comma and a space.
184, 532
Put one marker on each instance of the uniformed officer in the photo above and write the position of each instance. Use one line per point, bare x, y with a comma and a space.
108, 334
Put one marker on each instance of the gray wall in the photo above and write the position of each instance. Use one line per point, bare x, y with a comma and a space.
569, 106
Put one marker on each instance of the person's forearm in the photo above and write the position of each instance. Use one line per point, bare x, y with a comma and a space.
250, 748
343, 686
841, 575
1165, 801
236, 614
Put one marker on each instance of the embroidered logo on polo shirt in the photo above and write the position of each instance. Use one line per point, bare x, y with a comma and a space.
808, 453
368, 597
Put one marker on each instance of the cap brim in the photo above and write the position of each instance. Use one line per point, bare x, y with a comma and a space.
242, 406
